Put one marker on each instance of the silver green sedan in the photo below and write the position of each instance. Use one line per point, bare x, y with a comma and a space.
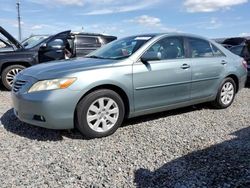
129, 77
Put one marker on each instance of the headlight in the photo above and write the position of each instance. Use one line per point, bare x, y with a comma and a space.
52, 84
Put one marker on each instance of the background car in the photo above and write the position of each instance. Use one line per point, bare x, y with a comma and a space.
129, 77
243, 51
33, 40
16, 56
239, 46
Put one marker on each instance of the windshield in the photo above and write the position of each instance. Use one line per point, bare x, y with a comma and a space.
120, 49
33, 41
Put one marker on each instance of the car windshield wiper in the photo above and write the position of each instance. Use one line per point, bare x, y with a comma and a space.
121, 57
96, 57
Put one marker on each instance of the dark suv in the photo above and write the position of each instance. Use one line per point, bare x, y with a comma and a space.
15, 56
239, 46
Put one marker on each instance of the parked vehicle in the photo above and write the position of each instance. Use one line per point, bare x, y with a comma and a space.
129, 77
33, 40
243, 51
239, 46
15, 56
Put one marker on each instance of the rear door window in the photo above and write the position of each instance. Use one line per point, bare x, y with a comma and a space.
216, 51
87, 42
199, 48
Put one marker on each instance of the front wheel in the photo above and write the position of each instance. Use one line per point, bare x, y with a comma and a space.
100, 113
9, 74
226, 94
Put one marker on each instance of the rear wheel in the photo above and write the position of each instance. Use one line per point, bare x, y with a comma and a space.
226, 94
100, 113
9, 74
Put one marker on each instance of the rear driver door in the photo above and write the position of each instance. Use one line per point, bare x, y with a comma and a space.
208, 67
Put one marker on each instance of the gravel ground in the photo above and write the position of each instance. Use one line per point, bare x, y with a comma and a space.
189, 147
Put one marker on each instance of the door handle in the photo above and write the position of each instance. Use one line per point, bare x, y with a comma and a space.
223, 62
185, 66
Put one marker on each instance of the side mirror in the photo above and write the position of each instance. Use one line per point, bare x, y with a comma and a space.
56, 44
43, 46
25, 44
151, 56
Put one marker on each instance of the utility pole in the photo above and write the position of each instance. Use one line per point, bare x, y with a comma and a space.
19, 20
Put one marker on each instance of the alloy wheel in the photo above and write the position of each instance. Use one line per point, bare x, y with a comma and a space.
227, 93
102, 114
11, 75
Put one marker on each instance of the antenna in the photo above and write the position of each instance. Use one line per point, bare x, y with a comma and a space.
19, 20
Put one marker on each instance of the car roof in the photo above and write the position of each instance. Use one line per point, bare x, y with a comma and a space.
168, 34
92, 34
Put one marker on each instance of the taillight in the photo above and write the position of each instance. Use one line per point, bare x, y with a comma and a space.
244, 63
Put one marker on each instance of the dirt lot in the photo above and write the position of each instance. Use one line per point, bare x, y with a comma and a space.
189, 147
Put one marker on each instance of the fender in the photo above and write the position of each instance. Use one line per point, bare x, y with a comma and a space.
112, 83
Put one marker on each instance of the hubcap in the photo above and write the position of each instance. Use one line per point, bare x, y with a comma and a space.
102, 114
227, 93
11, 75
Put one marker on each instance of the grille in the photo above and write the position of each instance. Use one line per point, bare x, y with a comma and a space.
18, 84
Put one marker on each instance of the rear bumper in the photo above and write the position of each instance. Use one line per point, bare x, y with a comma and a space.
242, 81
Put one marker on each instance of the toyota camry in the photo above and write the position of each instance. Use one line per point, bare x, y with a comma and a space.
132, 76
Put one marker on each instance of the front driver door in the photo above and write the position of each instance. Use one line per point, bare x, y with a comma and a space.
54, 48
162, 82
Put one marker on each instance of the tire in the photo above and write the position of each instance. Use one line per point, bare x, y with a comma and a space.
95, 120
228, 90
9, 73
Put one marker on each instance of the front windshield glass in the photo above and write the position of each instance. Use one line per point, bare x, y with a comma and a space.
120, 49
33, 41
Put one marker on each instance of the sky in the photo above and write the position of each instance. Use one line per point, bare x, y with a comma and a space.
209, 18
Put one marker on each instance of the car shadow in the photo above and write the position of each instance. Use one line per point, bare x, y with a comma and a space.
165, 114
223, 165
12, 124
247, 85
2, 88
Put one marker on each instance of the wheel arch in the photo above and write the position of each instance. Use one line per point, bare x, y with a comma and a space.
114, 88
236, 80
7, 64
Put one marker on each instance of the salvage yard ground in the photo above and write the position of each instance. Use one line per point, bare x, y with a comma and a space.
189, 147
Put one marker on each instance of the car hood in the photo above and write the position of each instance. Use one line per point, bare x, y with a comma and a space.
10, 38
63, 68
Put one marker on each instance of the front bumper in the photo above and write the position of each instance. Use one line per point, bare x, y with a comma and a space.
49, 109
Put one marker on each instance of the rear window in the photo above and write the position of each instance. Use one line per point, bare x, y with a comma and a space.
83, 42
109, 39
